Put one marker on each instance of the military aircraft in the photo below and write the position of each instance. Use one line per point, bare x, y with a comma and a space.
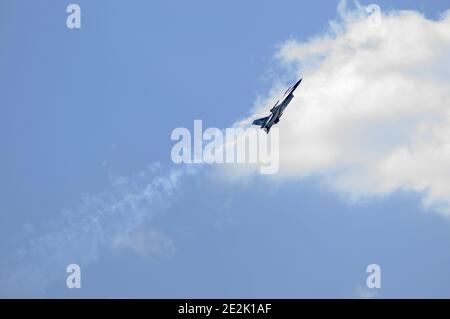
277, 110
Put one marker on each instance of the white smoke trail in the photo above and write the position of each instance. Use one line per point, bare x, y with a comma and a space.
107, 220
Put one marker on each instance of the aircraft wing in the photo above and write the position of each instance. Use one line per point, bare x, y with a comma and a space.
275, 108
261, 121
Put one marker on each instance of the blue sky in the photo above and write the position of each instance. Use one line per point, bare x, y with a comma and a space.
82, 108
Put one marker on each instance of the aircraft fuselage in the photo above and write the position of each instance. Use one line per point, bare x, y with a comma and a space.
275, 113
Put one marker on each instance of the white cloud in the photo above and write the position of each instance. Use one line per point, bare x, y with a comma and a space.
372, 115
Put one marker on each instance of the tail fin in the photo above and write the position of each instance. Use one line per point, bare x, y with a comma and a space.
261, 121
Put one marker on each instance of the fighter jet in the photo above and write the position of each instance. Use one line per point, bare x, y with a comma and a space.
277, 110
